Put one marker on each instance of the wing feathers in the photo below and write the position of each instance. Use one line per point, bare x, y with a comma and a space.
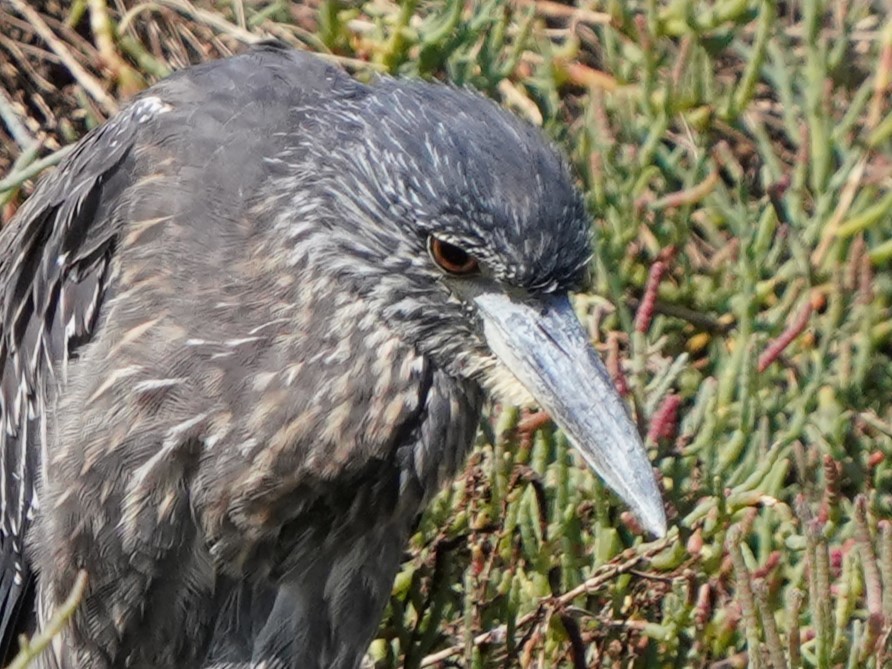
54, 257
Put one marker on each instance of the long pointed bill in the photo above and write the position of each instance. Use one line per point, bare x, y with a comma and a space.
545, 347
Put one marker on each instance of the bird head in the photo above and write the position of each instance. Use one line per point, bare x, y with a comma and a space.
462, 227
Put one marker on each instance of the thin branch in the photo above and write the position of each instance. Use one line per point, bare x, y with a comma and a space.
84, 78
19, 176
39, 642
11, 120
602, 577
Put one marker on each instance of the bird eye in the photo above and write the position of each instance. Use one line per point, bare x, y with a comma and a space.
451, 258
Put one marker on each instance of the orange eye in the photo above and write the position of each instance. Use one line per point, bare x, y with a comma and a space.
451, 258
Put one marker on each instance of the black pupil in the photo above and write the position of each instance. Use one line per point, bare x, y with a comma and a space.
453, 255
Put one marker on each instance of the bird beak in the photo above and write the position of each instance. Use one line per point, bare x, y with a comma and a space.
543, 344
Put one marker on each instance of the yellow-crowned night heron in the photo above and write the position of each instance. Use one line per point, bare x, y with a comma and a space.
246, 329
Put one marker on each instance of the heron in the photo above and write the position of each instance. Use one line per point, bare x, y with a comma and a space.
247, 329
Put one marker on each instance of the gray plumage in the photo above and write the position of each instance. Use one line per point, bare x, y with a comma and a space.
231, 373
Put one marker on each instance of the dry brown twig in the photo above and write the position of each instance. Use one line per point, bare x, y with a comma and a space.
602, 576
85, 79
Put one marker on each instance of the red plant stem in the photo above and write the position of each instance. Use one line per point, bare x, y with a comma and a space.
646, 308
665, 419
776, 347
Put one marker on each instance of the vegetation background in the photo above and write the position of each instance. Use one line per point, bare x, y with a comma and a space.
737, 156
